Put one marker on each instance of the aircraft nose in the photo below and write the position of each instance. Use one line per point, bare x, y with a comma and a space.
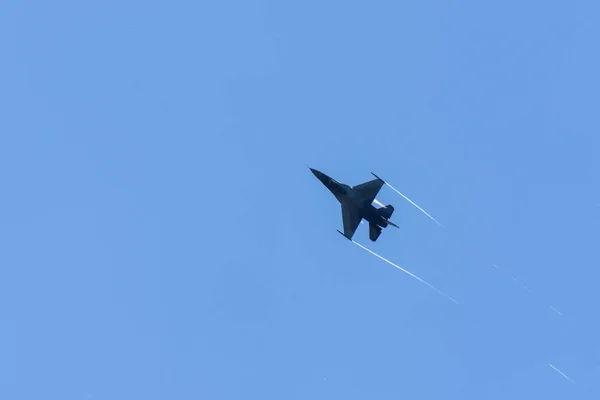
320, 176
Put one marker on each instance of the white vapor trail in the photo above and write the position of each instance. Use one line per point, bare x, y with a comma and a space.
560, 372
556, 311
405, 271
378, 203
413, 203
528, 290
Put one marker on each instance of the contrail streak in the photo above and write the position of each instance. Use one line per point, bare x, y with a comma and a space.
555, 310
560, 372
526, 288
378, 203
413, 203
405, 271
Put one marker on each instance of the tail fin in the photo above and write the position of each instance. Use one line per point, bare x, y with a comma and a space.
374, 232
386, 212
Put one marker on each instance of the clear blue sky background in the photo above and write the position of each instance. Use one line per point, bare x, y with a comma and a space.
162, 237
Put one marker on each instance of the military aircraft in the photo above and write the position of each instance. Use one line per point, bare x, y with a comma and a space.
357, 204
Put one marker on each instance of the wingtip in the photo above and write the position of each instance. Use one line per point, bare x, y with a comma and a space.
344, 235
377, 177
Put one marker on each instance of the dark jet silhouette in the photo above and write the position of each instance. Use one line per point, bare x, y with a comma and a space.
357, 204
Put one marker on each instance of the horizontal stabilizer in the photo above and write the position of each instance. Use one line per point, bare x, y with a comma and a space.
386, 212
374, 232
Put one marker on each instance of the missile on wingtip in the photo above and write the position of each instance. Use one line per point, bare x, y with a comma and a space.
344, 236
377, 177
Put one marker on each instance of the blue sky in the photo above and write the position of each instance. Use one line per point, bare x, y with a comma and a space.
163, 237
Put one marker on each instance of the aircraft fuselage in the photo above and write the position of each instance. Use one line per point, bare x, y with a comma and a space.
347, 195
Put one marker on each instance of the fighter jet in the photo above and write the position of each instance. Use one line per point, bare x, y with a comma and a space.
357, 204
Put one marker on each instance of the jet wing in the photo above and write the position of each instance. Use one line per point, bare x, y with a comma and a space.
370, 189
351, 218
